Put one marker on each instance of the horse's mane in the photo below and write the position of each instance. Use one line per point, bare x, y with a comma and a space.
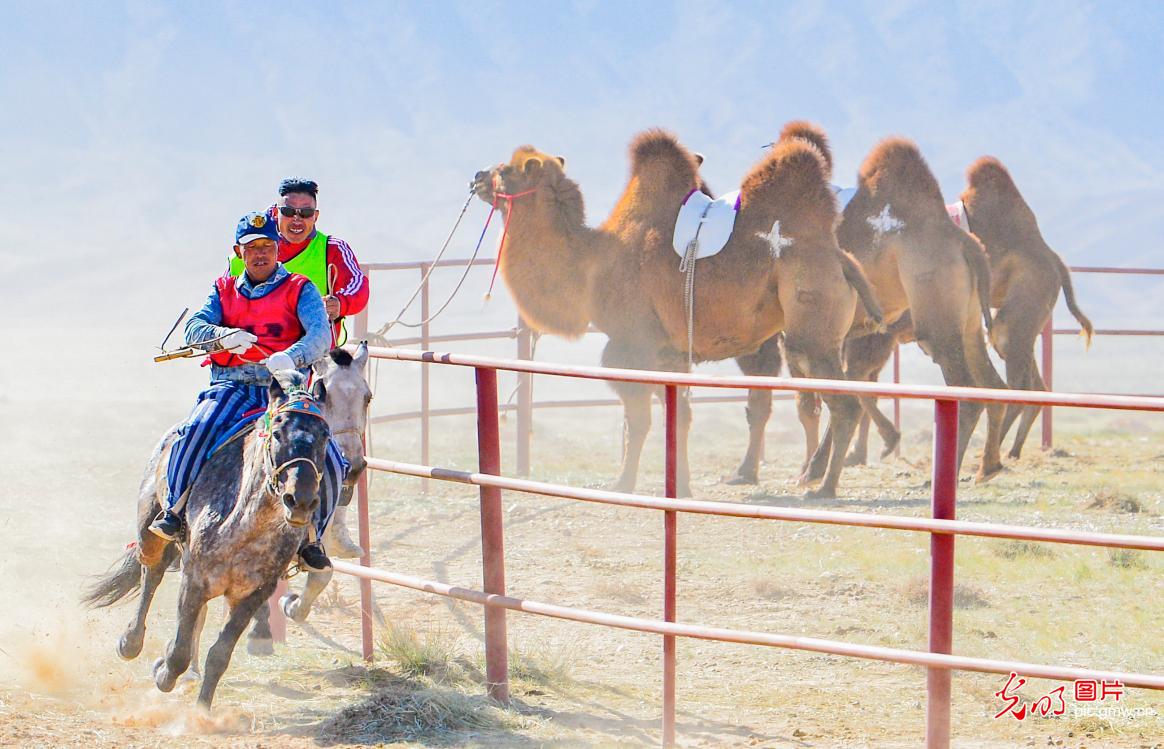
340, 356
290, 379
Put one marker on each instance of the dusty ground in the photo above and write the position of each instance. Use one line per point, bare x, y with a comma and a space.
576, 685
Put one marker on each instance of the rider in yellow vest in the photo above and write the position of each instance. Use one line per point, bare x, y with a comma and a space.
327, 260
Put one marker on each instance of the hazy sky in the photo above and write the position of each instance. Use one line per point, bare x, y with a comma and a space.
133, 134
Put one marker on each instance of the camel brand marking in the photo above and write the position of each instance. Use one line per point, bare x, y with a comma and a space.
706, 222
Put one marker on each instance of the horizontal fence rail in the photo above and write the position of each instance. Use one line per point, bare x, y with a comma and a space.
942, 527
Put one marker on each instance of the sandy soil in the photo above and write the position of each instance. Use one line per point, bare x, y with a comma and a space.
582, 686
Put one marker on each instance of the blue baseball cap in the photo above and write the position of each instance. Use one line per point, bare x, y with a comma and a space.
254, 226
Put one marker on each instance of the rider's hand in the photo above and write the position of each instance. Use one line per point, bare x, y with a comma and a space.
280, 361
332, 305
238, 341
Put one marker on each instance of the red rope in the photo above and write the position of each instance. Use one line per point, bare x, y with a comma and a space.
504, 230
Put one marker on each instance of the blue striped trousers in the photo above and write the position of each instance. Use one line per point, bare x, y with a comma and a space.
219, 407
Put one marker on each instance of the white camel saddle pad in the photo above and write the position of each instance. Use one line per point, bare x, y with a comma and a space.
706, 222
958, 215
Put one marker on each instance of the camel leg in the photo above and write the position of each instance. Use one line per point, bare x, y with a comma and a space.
218, 657
808, 407
297, 606
859, 455
956, 372
130, 644
985, 375
177, 659
636, 403
764, 362
844, 411
260, 641
1029, 415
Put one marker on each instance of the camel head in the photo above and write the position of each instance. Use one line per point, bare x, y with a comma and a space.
789, 185
664, 169
895, 187
812, 133
528, 170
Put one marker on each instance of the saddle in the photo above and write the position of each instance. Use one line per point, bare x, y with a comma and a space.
706, 222
844, 196
957, 212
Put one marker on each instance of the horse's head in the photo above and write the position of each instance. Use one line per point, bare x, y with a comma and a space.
342, 389
295, 436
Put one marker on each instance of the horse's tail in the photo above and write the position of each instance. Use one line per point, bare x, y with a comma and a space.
122, 579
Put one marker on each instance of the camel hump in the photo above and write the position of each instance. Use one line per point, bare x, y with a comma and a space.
989, 173
812, 133
789, 185
896, 170
658, 144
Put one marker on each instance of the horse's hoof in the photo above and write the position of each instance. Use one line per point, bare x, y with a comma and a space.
1014, 454
890, 444
292, 608
130, 648
162, 678
260, 646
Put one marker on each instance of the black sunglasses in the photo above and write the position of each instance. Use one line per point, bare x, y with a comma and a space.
288, 211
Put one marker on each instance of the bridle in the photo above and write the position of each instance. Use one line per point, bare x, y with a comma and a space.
298, 401
508, 198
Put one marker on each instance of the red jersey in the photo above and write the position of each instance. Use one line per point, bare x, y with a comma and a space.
274, 318
349, 284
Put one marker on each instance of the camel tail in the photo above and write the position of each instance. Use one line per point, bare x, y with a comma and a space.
980, 267
1088, 330
855, 275
122, 579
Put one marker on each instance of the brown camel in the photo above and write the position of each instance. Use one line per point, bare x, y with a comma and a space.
624, 277
920, 263
1026, 275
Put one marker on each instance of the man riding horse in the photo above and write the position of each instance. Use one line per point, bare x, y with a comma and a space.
262, 321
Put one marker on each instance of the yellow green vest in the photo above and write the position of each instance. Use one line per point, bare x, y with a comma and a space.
311, 262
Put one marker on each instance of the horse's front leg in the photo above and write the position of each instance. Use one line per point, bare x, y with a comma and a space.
195, 671
297, 606
130, 644
191, 600
218, 658
260, 641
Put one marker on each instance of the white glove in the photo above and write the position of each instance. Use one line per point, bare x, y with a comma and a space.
280, 361
238, 341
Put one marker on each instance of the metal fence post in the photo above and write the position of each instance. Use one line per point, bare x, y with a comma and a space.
424, 403
945, 487
492, 536
524, 398
365, 560
671, 404
1048, 358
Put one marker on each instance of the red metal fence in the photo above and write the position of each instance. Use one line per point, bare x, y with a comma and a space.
943, 527
524, 395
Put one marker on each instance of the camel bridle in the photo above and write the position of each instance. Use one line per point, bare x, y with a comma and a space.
508, 198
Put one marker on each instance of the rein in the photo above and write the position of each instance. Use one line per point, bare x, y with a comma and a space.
509, 198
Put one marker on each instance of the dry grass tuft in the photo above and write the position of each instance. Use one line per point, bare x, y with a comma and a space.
966, 596
1023, 550
1110, 500
1126, 559
767, 589
433, 654
407, 711
545, 667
